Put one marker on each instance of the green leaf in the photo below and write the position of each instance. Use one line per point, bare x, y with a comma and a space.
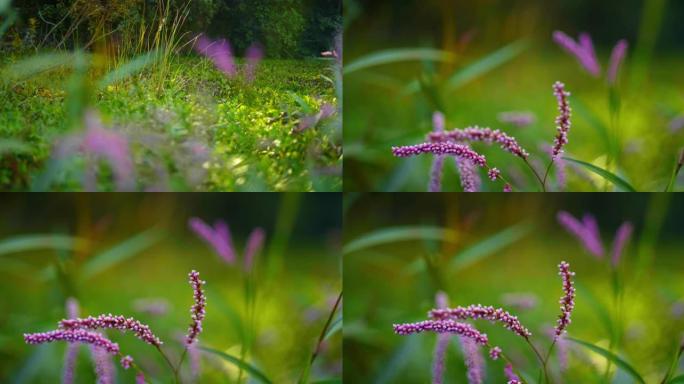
584, 294
335, 327
37, 64
395, 234
35, 242
120, 252
594, 121
9, 20
613, 178
486, 64
610, 356
488, 246
134, 66
398, 360
397, 55
328, 381
226, 307
253, 371
676, 379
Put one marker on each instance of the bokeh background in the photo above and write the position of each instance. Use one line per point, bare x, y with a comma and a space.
504, 59
111, 250
401, 249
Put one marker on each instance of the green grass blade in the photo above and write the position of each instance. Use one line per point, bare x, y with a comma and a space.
594, 121
120, 252
488, 246
398, 360
394, 234
612, 357
328, 381
35, 242
599, 309
676, 379
36, 64
613, 178
130, 68
397, 55
486, 64
335, 327
253, 371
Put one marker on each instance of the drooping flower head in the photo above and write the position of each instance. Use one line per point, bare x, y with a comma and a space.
73, 336
254, 55
458, 150
567, 301
442, 326
110, 321
197, 310
493, 174
563, 119
478, 311
583, 51
485, 135
616, 59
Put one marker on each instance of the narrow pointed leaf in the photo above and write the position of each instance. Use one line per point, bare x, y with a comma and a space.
397, 55
255, 373
120, 252
26, 243
395, 234
486, 64
613, 178
612, 357
489, 246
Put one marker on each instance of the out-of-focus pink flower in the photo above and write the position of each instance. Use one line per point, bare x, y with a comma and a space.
620, 241
254, 55
583, 51
218, 237
518, 119
586, 231
616, 58
255, 243
220, 52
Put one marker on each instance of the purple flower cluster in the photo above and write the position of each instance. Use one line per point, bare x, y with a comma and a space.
486, 135
563, 119
622, 236
197, 310
474, 362
442, 326
493, 174
518, 119
439, 356
110, 321
470, 179
73, 336
616, 58
220, 52
478, 311
126, 362
510, 375
495, 353
567, 301
459, 150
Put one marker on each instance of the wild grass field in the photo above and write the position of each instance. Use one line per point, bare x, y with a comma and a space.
271, 294
183, 117
408, 254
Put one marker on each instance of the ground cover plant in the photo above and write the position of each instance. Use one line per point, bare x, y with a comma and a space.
484, 74
189, 103
513, 289
228, 291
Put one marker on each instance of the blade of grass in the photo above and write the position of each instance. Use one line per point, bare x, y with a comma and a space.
488, 246
599, 309
398, 360
25, 243
255, 373
130, 68
613, 178
390, 56
394, 234
594, 121
335, 327
677, 379
120, 252
304, 378
610, 356
486, 64
37, 64
675, 172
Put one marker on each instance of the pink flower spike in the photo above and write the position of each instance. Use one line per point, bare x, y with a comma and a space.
255, 243
586, 231
583, 51
219, 52
510, 375
486, 135
197, 310
438, 122
111, 146
73, 336
254, 55
436, 173
622, 236
567, 301
470, 179
478, 311
110, 321
475, 364
442, 326
562, 121
616, 58
458, 150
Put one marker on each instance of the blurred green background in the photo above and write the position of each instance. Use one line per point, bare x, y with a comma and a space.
110, 250
498, 56
401, 249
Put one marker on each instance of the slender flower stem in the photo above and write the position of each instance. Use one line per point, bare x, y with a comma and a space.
174, 369
316, 351
542, 182
542, 360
